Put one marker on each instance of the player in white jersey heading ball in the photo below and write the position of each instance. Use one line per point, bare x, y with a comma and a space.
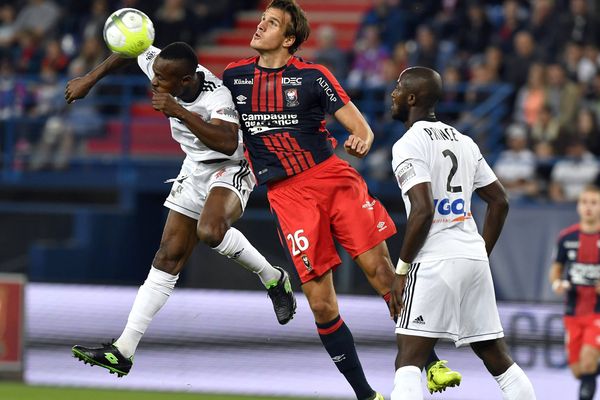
207, 197
443, 285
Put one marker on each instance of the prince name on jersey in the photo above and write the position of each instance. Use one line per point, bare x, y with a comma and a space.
282, 114
431, 151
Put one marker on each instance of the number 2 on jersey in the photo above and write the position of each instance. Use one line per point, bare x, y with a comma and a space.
299, 242
449, 187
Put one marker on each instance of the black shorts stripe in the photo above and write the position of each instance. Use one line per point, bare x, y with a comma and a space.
410, 289
240, 174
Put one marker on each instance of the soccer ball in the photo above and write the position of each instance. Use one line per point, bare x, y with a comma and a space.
128, 32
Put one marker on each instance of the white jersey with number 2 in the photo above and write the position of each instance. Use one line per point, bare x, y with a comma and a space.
431, 151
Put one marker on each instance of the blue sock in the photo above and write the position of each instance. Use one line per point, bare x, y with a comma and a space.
587, 389
339, 343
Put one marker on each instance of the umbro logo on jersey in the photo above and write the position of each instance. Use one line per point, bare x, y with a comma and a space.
419, 320
381, 226
241, 99
244, 81
369, 204
337, 359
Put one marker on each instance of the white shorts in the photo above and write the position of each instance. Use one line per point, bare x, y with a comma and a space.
196, 179
452, 299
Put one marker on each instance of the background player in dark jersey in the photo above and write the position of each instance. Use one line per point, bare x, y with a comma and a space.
576, 274
314, 196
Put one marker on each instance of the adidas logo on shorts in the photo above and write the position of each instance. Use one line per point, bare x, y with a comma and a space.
419, 320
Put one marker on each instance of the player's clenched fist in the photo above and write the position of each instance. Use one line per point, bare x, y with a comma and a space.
77, 88
166, 104
356, 146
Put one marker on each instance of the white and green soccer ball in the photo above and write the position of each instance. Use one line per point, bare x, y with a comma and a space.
128, 32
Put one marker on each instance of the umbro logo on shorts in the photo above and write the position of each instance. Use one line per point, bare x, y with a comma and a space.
337, 359
419, 320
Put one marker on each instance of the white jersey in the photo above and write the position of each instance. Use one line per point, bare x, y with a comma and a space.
437, 153
214, 101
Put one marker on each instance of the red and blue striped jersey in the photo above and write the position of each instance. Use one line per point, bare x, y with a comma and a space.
282, 114
579, 254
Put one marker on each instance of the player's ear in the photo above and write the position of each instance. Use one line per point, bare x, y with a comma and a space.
289, 41
411, 99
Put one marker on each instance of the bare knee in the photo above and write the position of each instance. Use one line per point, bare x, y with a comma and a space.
588, 363
170, 257
323, 311
213, 231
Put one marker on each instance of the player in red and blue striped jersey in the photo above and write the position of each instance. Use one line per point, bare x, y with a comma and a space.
314, 195
576, 274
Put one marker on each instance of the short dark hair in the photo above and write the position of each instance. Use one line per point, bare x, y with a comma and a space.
298, 26
182, 52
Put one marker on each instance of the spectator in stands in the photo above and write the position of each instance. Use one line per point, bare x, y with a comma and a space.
66, 131
544, 133
174, 22
512, 22
28, 54
580, 25
369, 55
7, 24
531, 97
395, 22
579, 68
543, 24
516, 166
494, 58
571, 174
452, 96
54, 58
475, 32
517, 65
94, 23
328, 53
38, 16
562, 94
586, 127
424, 50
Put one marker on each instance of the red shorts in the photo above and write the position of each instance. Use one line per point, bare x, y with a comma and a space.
328, 201
579, 331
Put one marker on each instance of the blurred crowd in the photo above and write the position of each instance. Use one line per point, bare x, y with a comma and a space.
548, 51
50, 41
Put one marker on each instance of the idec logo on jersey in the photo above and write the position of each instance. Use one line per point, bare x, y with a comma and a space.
291, 81
450, 210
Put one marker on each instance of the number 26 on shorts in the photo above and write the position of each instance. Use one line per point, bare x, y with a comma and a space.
299, 242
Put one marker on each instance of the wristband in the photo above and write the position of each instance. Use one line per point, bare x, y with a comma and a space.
556, 284
402, 267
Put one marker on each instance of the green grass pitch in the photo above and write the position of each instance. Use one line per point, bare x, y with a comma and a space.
17, 391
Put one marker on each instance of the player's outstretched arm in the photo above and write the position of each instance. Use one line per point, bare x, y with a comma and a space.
497, 210
78, 88
361, 136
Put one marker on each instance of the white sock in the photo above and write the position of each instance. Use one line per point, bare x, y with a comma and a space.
237, 247
407, 384
515, 385
151, 297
